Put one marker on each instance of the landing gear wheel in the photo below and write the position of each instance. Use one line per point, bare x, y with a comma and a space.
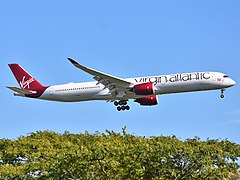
119, 108
121, 105
222, 93
127, 107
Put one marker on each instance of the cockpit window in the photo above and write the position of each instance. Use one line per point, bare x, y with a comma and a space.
225, 76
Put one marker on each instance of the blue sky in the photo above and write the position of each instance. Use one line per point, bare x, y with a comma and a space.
125, 39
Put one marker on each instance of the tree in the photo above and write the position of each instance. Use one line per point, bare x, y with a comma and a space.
111, 155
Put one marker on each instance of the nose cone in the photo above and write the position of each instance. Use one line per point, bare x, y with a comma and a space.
232, 82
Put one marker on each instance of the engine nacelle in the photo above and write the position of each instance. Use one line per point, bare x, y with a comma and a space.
148, 101
144, 89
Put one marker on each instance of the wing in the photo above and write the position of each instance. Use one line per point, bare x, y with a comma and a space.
117, 86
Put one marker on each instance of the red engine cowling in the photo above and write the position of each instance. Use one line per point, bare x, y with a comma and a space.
144, 89
148, 101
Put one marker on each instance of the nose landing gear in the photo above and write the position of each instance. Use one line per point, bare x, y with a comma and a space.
222, 93
122, 105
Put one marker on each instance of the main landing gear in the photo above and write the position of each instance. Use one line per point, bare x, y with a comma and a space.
122, 105
222, 93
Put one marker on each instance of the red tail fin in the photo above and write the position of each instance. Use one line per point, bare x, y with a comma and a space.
25, 80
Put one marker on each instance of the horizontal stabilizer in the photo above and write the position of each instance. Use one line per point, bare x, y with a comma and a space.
21, 91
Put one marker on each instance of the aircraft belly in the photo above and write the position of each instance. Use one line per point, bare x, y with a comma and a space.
75, 96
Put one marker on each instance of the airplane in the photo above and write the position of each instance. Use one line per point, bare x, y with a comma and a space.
143, 90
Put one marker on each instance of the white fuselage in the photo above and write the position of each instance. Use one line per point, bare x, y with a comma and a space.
165, 84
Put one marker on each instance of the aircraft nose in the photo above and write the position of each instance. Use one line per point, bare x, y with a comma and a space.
232, 82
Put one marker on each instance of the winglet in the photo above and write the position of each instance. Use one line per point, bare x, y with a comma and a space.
73, 61
101, 76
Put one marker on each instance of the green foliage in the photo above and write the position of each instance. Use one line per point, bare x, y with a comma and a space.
111, 155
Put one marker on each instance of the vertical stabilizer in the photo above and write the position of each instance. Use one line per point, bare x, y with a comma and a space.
26, 81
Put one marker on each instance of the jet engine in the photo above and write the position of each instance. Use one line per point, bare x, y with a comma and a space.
148, 101
144, 89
